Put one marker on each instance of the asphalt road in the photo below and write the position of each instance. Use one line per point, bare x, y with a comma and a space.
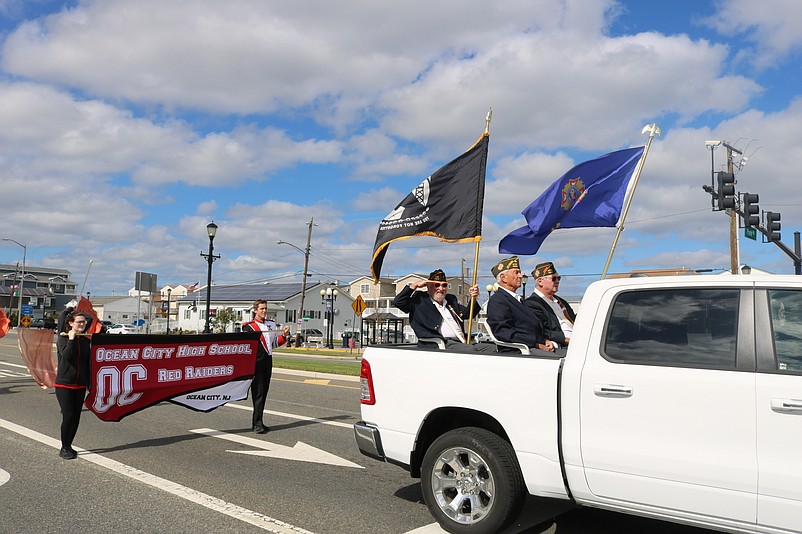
170, 469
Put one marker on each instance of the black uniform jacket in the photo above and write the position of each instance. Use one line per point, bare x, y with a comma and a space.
424, 317
548, 319
513, 321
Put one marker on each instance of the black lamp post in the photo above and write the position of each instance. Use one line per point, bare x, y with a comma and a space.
211, 229
21, 280
169, 291
329, 297
524, 280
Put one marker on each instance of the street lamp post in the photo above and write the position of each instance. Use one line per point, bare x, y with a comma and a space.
169, 291
299, 320
329, 297
211, 230
22, 278
524, 280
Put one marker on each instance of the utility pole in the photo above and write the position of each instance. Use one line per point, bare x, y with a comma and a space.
303, 282
734, 252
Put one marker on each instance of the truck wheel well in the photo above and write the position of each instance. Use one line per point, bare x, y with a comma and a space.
443, 420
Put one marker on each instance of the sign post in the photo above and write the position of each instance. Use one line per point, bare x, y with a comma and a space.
359, 306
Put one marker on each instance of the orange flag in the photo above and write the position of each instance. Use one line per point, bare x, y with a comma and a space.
36, 349
4, 324
85, 305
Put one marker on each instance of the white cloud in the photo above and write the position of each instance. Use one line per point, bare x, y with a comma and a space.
773, 25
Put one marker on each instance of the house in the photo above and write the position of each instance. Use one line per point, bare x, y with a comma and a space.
47, 290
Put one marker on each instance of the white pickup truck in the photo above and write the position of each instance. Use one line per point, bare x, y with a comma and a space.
679, 398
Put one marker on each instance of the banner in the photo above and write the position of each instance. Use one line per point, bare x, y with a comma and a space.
133, 372
36, 349
447, 205
591, 194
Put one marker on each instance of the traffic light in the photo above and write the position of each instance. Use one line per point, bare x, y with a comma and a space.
751, 209
726, 190
773, 226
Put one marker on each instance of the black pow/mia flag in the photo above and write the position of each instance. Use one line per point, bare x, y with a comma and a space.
447, 205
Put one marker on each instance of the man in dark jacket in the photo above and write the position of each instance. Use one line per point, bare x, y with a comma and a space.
510, 319
555, 315
435, 313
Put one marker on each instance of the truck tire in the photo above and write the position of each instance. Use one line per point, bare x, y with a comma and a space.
471, 481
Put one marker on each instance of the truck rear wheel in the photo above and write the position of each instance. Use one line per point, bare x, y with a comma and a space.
471, 481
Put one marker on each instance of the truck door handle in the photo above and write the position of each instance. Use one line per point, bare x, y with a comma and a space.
786, 405
612, 390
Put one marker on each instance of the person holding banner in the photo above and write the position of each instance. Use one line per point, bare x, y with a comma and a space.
264, 360
72, 375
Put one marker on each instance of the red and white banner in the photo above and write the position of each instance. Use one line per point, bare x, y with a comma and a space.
133, 372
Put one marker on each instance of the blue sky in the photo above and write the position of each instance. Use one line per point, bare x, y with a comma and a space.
127, 125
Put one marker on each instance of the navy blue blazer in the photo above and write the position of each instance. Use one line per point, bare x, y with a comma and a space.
424, 318
513, 321
548, 319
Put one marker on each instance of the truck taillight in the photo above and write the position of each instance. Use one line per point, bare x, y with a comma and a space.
366, 394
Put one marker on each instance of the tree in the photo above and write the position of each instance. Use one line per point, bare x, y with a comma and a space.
222, 319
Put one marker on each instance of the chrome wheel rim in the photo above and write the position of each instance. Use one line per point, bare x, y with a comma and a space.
463, 485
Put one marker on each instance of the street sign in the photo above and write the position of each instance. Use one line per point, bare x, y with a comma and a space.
359, 305
25, 321
751, 233
27, 309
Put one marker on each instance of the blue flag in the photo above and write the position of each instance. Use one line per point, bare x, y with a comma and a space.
590, 194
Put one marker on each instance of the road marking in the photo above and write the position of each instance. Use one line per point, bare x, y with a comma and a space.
293, 416
318, 382
213, 503
4, 477
13, 365
12, 374
306, 381
301, 452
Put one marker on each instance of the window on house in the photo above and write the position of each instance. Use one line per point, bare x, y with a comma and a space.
364, 289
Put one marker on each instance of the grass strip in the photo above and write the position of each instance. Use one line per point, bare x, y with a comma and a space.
317, 366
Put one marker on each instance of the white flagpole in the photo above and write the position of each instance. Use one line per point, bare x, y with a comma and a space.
652, 129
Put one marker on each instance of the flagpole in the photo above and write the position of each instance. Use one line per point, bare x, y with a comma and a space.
473, 300
652, 129
488, 117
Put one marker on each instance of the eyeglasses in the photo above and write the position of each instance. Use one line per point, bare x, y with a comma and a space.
556, 278
439, 284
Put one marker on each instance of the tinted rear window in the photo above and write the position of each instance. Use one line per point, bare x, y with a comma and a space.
678, 327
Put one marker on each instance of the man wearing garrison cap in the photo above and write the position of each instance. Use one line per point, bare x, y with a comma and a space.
554, 313
508, 318
434, 313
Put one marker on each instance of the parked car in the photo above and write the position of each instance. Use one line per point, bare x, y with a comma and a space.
312, 335
121, 329
43, 323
